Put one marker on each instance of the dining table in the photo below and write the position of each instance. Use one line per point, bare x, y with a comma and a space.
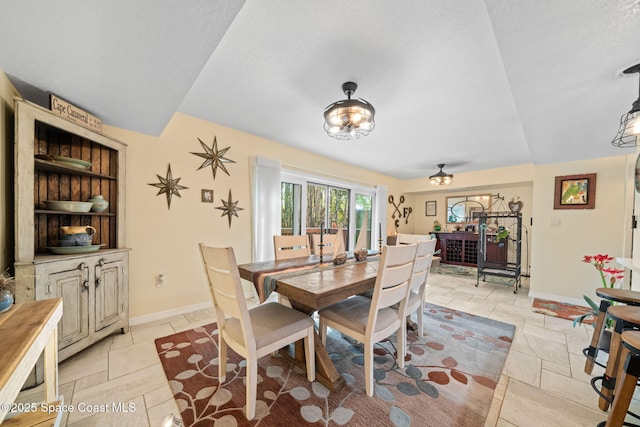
309, 286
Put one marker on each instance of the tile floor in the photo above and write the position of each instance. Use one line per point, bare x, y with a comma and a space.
543, 383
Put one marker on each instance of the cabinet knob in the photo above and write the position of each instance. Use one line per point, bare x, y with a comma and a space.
48, 288
82, 266
98, 281
101, 262
85, 285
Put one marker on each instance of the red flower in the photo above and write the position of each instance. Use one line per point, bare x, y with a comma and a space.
599, 262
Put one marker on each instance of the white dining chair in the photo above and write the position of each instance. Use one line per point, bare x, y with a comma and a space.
421, 267
286, 247
407, 239
328, 240
251, 333
372, 320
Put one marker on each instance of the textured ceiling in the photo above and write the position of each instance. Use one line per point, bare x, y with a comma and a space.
474, 84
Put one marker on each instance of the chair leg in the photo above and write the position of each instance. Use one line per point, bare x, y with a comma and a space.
625, 386
402, 343
368, 368
592, 351
612, 367
252, 388
310, 356
222, 358
420, 316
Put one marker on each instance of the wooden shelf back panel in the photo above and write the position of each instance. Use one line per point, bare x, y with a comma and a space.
62, 183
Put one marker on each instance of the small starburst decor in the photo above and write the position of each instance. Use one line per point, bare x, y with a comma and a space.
214, 157
169, 186
229, 208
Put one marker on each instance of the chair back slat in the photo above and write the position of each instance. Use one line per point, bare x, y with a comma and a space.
422, 264
286, 247
394, 275
407, 239
329, 241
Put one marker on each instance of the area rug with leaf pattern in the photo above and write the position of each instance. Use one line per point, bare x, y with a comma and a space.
561, 310
448, 380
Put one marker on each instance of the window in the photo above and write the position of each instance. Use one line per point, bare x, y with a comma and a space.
310, 201
363, 209
291, 209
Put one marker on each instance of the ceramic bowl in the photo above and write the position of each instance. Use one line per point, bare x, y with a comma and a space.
68, 206
79, 239
340, 259
360, 255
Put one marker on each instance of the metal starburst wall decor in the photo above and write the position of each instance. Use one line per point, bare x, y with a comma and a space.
169, 186
214, 157
229, 208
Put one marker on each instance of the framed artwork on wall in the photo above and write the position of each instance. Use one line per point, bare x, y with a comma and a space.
575, 192
207, 196
430, 208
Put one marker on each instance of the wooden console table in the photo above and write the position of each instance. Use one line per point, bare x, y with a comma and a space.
27, 330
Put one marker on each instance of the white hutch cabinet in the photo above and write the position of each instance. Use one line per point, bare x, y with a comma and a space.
93, 286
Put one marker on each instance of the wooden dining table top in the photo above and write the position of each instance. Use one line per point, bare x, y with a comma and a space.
309, 289
314, 289
250, 270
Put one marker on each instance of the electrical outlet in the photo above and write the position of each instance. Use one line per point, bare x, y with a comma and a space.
160, 281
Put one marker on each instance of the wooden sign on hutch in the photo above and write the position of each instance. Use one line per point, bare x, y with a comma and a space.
73, 113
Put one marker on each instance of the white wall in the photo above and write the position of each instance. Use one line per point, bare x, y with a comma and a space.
557, 251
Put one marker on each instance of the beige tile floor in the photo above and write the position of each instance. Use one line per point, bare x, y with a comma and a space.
542, 384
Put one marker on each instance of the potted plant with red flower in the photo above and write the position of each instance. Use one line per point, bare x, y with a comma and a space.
609, 277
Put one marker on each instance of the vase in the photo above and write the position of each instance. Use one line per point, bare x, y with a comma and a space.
6, 300
99, 203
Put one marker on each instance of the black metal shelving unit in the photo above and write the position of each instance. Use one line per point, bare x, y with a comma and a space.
496, 255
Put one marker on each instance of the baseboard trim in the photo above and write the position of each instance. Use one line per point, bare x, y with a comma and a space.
147, 318
558, 298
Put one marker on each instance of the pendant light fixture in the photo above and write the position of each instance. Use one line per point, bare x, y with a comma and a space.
349, 118
629, 132
441, 178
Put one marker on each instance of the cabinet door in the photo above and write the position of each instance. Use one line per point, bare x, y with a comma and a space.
471, 250
110, 295
72, 287
497, 254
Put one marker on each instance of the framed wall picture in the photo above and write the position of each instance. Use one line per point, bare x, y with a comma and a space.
207, 196
575, 192
430, 208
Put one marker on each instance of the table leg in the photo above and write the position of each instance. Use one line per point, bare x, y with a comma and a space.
326, 372
51, 368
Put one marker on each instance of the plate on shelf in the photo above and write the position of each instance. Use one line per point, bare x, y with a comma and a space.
68, 205
65, 161
67, 250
